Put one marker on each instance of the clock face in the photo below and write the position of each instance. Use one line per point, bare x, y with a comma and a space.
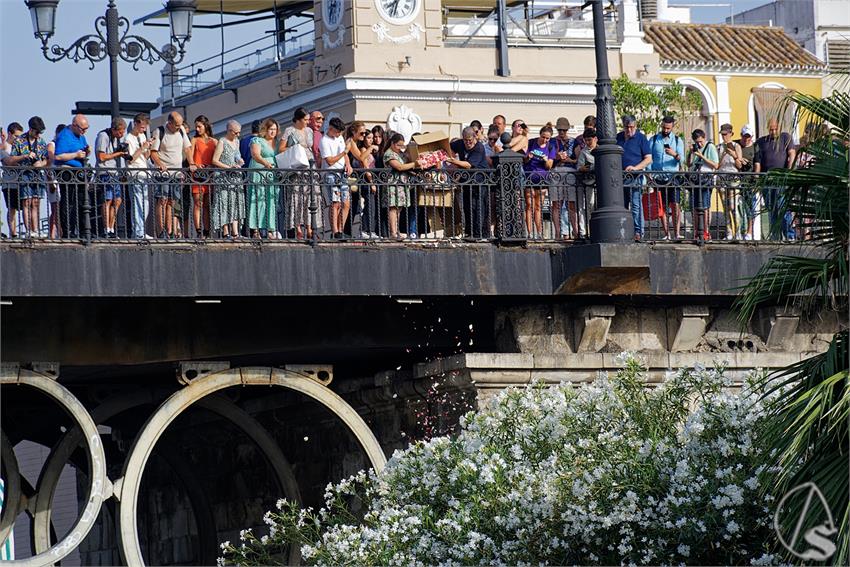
332, 13
398, 11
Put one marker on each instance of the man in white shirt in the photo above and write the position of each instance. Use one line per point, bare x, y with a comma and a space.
169, 147
335, 158
138, 148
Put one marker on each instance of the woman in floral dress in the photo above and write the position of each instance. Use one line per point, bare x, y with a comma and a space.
228, 207
396, 196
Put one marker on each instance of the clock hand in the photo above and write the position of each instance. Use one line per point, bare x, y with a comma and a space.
394, 11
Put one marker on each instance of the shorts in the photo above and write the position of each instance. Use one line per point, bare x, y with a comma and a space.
12, 196
200, 189
339, 190
340, 194
705, 198
110, 191
562, 184
671, 195
32, 191
172, 191
54, 194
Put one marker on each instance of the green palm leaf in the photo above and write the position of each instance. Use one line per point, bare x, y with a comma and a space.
807, 425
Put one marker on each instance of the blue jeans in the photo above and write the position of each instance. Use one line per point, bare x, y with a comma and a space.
631, 199
774, 201
140, 208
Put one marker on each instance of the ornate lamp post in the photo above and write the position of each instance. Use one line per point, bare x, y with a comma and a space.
610, 221
111, 39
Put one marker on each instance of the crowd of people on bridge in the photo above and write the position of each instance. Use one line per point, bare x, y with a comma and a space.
558, 177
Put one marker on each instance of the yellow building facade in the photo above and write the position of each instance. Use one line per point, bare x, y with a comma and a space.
744, 78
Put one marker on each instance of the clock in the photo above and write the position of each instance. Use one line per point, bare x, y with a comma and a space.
398, 12
332, 13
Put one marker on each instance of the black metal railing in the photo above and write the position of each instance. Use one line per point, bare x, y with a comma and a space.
504, 203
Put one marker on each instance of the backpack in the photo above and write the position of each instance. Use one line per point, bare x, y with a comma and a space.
161, 131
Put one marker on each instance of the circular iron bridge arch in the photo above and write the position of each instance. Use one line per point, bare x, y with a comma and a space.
99, 485
128, 486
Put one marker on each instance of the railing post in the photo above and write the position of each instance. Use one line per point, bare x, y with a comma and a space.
509, 201
86, 207
313, 207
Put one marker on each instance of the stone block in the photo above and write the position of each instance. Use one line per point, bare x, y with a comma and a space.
592, 327
688, 328
498, 360
594, 334
781, 332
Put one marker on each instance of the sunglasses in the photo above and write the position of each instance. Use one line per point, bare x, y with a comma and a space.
563, 130
493, 139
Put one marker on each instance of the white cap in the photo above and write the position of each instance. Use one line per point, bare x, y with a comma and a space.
747, 130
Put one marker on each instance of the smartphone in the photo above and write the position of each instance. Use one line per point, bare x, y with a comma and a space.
666, 146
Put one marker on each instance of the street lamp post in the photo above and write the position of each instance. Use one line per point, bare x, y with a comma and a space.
609, 222
111, 39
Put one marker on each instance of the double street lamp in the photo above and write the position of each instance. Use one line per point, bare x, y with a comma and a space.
111, 39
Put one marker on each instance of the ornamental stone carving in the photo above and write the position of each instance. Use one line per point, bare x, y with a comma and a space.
403, 120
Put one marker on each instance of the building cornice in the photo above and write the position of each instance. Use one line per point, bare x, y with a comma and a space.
737, 71
349, 88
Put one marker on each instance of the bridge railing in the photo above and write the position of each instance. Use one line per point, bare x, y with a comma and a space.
504, 203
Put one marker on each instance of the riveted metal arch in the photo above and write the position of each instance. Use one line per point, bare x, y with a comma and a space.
62, 451
199, 388
97, 463
11, 488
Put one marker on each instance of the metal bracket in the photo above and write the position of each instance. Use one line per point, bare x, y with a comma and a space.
49, 369
320, 373
193, 370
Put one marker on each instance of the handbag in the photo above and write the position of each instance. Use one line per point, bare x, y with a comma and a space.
294, 157
653, 206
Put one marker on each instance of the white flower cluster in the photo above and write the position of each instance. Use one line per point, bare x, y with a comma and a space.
608, 473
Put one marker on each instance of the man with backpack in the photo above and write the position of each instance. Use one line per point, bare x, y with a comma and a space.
169, 147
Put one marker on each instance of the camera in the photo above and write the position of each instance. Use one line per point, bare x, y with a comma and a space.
122, 147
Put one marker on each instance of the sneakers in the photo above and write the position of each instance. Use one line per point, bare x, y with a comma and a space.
637, 237
748, 237
666, 237
730, 236
706, 236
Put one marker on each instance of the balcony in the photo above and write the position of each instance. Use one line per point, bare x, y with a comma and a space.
240, 65
547, 23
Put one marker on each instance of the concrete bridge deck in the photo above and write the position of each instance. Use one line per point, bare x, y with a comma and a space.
446, 268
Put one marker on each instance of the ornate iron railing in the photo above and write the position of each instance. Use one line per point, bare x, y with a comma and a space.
505, 203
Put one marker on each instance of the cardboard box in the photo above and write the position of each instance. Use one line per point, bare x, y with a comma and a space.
429, 142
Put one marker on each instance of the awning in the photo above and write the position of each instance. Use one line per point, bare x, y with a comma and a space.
230, 7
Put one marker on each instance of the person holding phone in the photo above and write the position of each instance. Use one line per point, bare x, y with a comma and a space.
668, 151
731, 161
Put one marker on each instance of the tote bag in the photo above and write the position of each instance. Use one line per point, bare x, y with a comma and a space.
294, 157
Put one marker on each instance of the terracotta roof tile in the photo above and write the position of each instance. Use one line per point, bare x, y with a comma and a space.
728, 46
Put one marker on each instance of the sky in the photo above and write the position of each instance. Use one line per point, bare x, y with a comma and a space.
32, 85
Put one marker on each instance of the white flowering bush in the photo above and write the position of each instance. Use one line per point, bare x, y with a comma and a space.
607, 473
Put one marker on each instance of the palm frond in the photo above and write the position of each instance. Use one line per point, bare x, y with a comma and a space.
809, 283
